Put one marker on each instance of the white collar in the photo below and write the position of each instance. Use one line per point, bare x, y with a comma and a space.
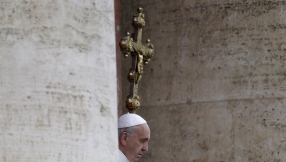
122, 157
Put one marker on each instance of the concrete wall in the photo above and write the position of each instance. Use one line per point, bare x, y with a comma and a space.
215, 89
58, 98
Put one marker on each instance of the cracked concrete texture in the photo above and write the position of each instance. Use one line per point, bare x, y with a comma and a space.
215, 88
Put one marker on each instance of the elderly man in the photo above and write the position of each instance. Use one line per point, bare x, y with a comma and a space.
134, 135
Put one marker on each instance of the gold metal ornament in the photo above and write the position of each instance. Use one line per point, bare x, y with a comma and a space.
140, 54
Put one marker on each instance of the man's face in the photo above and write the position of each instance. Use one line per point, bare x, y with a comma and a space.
137, 143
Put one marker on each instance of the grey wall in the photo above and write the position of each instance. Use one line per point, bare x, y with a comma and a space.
58, 98
215, 88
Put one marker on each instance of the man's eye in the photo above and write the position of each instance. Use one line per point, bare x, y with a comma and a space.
143, 141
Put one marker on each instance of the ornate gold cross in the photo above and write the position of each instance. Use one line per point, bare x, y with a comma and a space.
140, 54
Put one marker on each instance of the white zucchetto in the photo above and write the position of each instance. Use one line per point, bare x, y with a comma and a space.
129, 120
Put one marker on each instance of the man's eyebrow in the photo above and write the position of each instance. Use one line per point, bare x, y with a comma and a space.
144, 139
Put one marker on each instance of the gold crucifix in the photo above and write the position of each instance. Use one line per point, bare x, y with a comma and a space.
131, 44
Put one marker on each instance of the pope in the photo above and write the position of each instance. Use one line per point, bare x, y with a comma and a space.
134, 135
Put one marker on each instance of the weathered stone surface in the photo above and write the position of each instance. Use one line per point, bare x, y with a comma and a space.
58, 81
238, 130
215, 88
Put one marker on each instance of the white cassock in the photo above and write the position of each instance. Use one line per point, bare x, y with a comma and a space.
122, 157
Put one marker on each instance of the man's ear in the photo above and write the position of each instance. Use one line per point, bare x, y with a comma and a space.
123, 138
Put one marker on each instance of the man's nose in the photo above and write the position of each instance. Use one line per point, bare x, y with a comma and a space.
145, 147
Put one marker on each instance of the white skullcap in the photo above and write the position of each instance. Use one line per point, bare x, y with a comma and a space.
129, 120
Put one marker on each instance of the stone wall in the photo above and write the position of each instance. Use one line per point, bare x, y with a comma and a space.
58, 81
215, 89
